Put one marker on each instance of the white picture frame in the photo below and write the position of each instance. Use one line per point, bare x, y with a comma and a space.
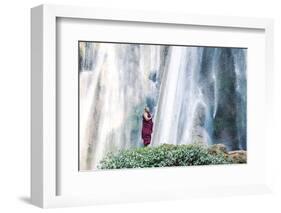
44, 154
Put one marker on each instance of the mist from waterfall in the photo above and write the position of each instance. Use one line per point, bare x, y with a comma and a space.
196, 94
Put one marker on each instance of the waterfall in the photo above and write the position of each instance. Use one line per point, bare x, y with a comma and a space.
196, 94
214, 76
114, 89
166, 116
181, 99
241, 98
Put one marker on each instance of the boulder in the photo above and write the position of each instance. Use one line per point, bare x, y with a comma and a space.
218, 148
239, 156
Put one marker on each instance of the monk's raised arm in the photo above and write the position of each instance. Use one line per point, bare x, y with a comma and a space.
146, 117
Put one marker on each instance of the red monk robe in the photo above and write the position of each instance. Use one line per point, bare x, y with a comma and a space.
147, 128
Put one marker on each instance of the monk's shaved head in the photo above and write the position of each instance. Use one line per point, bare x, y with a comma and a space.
146, 109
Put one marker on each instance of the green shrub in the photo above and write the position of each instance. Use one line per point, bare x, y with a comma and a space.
163, 156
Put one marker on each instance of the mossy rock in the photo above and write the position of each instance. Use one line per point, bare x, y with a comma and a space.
218, 148
239, 156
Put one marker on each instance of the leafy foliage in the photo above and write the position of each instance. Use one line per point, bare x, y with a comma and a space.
164, 156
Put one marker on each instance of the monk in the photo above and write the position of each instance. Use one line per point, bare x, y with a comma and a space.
147, 127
